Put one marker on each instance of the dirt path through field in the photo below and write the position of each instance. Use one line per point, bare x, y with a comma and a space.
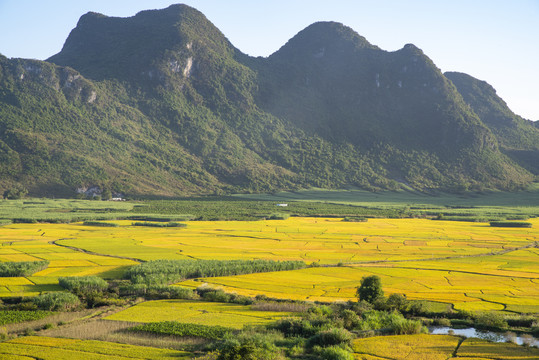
55, 242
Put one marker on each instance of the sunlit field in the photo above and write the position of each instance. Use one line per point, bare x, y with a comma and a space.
48, 348
471, 266
437, 347
198, 312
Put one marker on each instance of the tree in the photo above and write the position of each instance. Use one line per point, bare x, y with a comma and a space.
106, 195
370, 289
16, 192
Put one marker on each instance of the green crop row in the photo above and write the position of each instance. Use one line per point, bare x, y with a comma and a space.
183, 329
160, 272
21, 268
19, 316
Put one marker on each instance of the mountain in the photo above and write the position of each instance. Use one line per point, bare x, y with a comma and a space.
162, 103
518, 137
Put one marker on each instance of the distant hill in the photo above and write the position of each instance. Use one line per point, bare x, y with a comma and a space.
162, 103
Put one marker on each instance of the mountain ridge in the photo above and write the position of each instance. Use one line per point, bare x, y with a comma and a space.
165, 104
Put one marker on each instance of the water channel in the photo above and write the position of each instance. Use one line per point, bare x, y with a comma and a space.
486, 335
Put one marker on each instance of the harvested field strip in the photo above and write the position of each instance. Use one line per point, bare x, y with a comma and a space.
488, 350
438, 347
432, 347
49, 348
197, 312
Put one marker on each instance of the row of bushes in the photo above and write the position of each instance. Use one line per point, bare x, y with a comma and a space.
160, 218
519, 224
99, 223
156, 292
163, 272
83, 284
22, 268
183, 329
153, 224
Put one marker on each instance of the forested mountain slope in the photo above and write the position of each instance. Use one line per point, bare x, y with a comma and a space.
163, 103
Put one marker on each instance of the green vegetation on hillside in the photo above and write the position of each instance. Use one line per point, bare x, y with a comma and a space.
162, 103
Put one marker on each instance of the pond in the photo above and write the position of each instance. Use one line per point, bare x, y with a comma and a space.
487, 335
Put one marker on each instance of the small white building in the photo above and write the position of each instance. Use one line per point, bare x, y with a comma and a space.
283, 205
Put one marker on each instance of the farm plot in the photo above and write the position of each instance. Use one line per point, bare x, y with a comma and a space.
35, 242
432, 347
455, 281
437, 347
477, 348
197, 312
47, 348
326, 241
470, 265
463, 291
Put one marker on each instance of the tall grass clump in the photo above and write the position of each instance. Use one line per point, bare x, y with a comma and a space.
57, 301
331, 337
332, 353
22, 268
163, 272
157, 292
83, 284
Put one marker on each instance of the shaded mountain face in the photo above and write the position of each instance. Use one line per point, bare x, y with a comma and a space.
518, 138
162, 103
357, 92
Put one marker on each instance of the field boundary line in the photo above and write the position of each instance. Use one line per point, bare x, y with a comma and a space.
534, 244
452, 270
90, 252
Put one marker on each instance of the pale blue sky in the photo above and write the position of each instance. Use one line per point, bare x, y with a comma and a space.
493, 40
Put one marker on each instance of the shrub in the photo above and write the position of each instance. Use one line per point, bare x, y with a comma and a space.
250, 346
396, 302
354, 219
57, 301
350, 319
292, 327
330, 337
278, 216
402, 326
488, 320
333, 353
218, 295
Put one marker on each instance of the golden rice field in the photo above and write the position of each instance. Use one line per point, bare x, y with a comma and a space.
197, 312
470, 265
48, 348
438, 347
